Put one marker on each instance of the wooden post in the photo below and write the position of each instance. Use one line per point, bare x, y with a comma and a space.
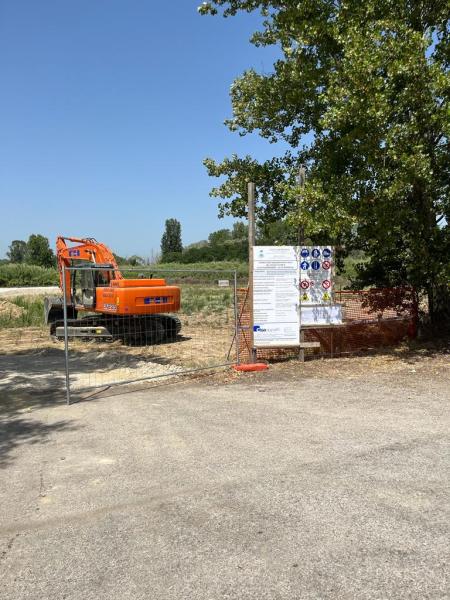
301, 236
251, 243
301, 352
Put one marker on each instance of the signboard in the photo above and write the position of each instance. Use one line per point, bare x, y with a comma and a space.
292, 285
322, 315
316, 275
223, 283
276, 318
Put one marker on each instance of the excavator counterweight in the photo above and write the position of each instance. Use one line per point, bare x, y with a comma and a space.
132, 310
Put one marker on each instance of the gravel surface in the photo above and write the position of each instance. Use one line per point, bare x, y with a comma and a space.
44, 369
312, 481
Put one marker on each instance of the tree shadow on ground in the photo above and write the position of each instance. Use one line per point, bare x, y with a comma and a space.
415, 350
17, 430
19, 401
411, 352
43, 370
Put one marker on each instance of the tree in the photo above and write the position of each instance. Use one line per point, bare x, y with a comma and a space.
171, 239
360, 94
277, 233
17, 251
240, 231
135, 260
38, 251
217, 238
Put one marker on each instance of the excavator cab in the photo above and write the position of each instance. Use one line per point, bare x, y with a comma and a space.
86, 280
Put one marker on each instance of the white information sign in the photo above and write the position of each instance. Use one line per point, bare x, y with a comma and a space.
322, 315
316, 274
276, 318
291, 285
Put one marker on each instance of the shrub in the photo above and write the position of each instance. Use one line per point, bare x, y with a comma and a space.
14, 275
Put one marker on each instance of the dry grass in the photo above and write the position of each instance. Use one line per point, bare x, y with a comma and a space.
204, 340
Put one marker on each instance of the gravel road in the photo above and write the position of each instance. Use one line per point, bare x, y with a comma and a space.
28, 291
281, 486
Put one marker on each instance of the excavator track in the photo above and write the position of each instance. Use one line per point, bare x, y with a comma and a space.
137, 330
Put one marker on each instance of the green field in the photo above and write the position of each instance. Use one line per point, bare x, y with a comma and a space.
30, 276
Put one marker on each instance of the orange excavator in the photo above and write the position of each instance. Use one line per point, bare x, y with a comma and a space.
131, 310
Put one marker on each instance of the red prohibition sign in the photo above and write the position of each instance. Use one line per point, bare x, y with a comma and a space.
304, 285
326, 284
326, 264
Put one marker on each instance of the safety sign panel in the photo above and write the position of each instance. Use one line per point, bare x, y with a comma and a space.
330, 314
287, 281
316, 275
276, 315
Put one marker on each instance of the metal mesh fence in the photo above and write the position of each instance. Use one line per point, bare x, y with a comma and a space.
137, 331
32, 359
29, 359
21, 321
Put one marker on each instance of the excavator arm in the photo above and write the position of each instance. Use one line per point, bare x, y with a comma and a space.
87, 249
81, 251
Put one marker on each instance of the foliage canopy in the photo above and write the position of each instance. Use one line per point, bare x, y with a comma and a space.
17, 251
360, 95
171, 240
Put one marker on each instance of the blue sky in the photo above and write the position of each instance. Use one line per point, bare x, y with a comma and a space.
107, 108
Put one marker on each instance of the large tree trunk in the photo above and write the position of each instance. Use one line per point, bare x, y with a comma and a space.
439, 308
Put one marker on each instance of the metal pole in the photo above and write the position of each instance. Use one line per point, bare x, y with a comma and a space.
66, 339
237, 330
251, 243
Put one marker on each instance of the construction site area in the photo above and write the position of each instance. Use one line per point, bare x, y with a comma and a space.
184, 475
31, 358
239, 388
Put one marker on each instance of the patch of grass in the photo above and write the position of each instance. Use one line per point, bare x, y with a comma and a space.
207, 300
30, 313
177, 273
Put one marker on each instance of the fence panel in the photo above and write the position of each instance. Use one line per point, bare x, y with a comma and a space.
29, 359
108, 349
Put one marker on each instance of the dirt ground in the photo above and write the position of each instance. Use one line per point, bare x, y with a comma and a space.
29, 358
10, 310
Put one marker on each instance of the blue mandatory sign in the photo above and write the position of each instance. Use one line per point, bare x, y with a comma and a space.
315, 253
304, 265
304, 252
315, 265
326, 252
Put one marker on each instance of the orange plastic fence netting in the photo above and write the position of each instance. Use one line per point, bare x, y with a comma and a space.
371, 319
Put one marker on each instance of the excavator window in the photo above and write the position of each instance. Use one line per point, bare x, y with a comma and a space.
104, 277
83, 288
